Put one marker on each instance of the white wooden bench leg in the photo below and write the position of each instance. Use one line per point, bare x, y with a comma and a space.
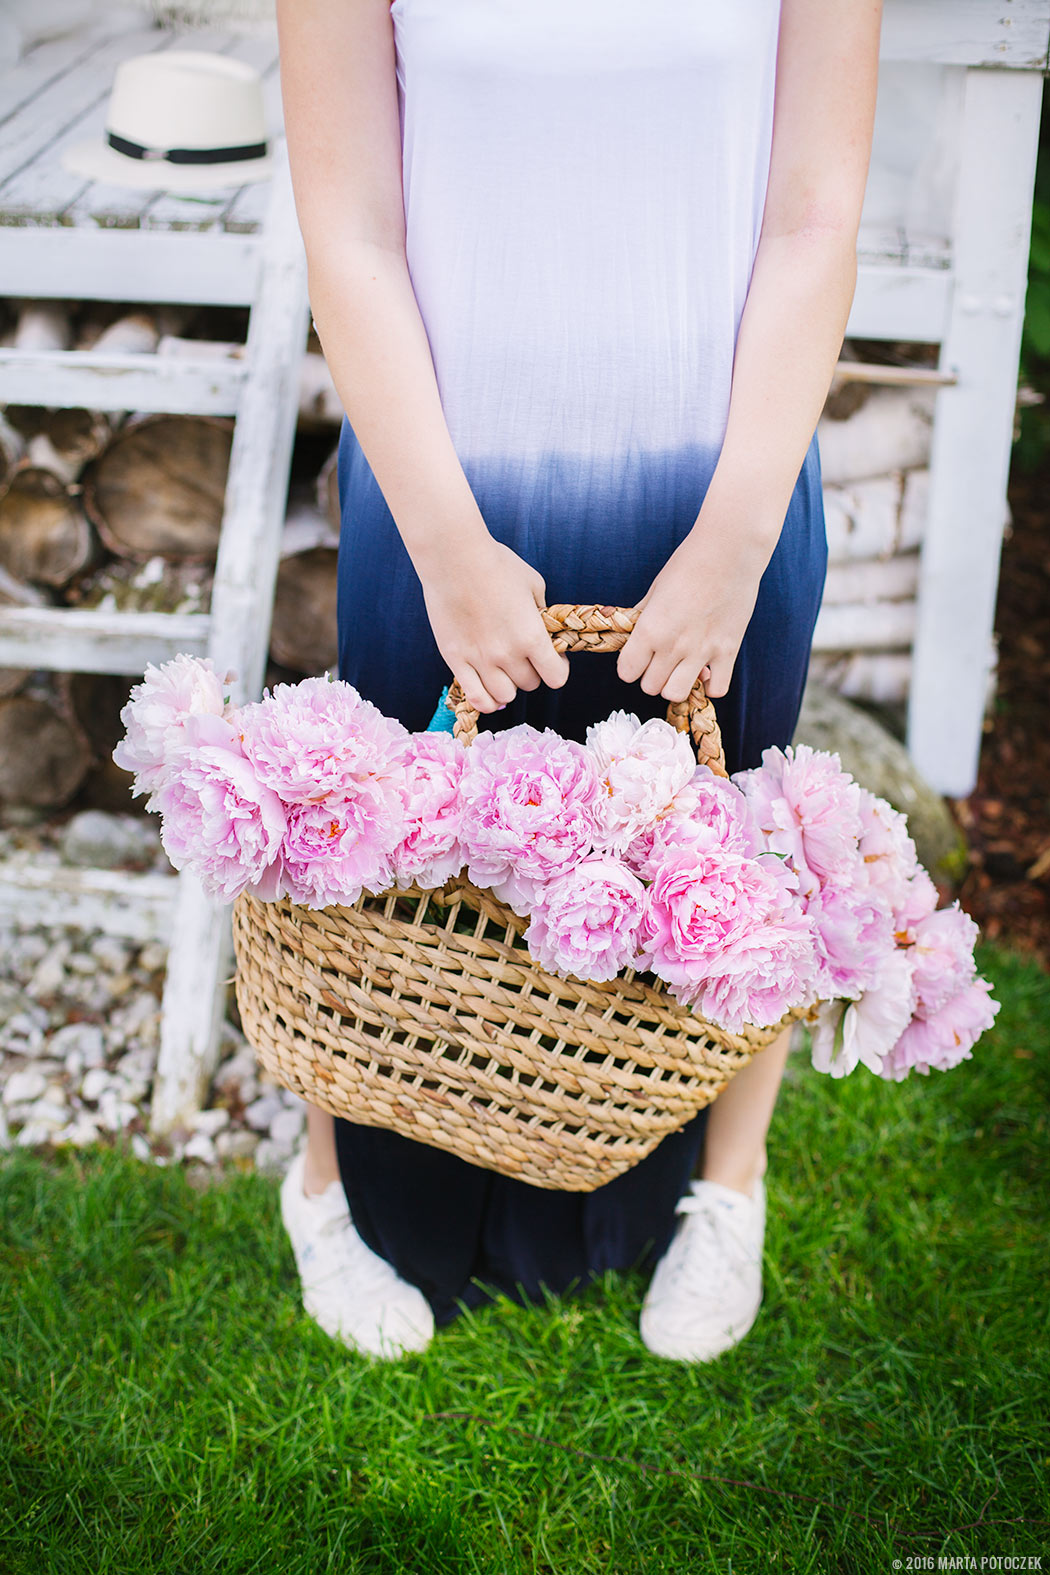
972, 435
199, 965
200, 959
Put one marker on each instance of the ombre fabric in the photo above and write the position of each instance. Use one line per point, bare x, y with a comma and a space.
583, 194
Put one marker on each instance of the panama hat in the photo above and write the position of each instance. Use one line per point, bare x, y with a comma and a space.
182, 120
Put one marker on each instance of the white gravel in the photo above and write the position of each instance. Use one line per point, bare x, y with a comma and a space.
80, 1033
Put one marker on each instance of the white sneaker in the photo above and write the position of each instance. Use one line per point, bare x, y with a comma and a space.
707, 1288
355, 1295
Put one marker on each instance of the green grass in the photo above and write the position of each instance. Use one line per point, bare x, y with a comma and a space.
166, 1406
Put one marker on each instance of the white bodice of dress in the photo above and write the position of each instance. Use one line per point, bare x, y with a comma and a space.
584, 183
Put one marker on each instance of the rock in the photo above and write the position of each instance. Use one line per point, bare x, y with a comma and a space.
50, 975
236, 1144
84, 1040
272, 1158
115, 1113
100, 840
260, 1114
209, 1121
153, 957
286, 1127
81, 1133
23, 1034
34, 1134
880, 763
96, 1083
111, 953
140, 1148
200, 1146
82, 963
26, 1084
49, 1113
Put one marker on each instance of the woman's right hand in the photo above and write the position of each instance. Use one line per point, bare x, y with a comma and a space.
485, 615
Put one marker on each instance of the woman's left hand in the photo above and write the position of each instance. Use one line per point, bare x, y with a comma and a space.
693, 618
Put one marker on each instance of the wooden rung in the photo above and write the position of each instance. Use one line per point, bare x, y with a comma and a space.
138, 907
86, 640
90, 380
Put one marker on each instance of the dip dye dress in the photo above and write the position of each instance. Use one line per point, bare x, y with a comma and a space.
583, 184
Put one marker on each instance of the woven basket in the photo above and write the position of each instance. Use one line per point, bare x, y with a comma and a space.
423, 1012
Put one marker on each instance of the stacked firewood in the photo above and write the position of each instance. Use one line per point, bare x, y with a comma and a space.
122, 512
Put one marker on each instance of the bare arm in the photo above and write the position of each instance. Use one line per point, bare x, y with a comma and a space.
695, 615
339, 93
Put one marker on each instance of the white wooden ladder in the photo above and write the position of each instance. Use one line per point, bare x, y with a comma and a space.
265, 270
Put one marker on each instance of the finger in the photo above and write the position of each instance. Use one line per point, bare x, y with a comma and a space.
539, 588
551, 665
718, 683
656, 674
500, 685
475, 693
522, 673
680, 684
635, 656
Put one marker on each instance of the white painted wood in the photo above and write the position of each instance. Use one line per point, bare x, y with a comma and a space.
973, 429
897, 302
872, 580
138, 907
864, 626
87, 640
891, 431
864, 675
199, 961
863, 521
129, 265
112, 380
1004, 33
43, 63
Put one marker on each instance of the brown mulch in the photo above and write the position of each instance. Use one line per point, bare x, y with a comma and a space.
1006, 820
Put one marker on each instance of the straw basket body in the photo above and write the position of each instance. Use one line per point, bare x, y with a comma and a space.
425, 1013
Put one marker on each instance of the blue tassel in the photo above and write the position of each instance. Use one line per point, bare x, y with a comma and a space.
443, 720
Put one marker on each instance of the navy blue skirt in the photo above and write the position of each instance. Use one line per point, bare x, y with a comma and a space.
458, 1232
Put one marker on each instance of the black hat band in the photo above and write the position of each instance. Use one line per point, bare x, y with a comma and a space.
138, 150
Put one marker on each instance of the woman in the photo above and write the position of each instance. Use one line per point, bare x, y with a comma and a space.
581, 270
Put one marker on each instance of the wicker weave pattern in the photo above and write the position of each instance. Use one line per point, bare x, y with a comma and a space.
424, 1012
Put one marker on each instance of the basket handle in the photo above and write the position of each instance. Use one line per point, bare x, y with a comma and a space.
579, 628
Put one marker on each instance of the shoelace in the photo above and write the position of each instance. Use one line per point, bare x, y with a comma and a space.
367, 1269
735, 1255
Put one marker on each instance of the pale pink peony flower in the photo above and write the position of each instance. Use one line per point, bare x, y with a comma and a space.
706, 803
585, 923
854, 936
725, 932
156, 712
641, 767
430, 852
331, 852
808, 809
886, 849
318, 739
865, 1030
528, 810
217, 819
944, 1038
915, 900
943, 956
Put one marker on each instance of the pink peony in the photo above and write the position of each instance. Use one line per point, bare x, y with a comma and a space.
528, 810
945, 1037
808, 809
156, 712
318, 739
585, 923
706, 803
868, 1028
914, 900
217, 819
854, 936
943, 956
886, 849
430, 852
723, 931
641, 767
331, 852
